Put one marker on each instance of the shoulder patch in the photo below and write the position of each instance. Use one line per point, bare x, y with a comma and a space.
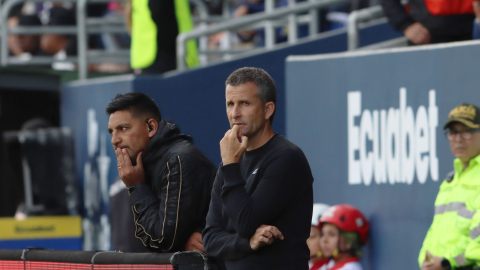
449, 176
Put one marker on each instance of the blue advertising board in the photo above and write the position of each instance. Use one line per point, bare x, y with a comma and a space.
371, 126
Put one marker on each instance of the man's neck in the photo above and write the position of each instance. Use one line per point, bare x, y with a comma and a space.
465, 164
260, 138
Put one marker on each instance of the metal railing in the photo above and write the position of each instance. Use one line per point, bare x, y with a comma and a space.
271, 18
356, 17
257, 20
81, 30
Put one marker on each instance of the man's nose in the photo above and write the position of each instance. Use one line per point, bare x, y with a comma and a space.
115, 139
236, 111
458, 137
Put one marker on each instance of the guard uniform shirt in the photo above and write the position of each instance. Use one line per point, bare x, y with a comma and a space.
448, 236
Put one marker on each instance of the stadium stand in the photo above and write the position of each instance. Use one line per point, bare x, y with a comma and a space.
207, 24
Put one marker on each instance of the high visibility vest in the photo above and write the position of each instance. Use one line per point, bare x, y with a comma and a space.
472, 228
449, 7
144, 34
444, 238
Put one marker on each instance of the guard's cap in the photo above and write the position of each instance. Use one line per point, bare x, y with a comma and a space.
467, 114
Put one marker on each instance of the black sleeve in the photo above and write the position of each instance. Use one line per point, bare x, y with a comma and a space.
396, 14
218, 242
167, 223
282, 177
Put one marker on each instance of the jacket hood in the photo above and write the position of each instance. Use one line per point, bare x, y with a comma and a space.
167, 134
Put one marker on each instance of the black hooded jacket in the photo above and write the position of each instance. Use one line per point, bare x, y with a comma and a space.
173, 201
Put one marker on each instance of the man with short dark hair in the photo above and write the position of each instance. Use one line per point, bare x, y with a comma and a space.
168, 179
261, 207
445, 245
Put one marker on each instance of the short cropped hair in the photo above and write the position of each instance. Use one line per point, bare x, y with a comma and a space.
267, 91
137, 103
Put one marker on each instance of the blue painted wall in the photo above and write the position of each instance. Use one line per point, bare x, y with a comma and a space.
317, 109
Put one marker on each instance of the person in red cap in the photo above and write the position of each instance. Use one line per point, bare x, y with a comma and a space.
344, 231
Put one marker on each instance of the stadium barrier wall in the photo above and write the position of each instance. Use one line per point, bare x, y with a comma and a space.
195, 100
371, 126
37, 259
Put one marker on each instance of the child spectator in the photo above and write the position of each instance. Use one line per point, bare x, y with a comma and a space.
344, 230
313, 241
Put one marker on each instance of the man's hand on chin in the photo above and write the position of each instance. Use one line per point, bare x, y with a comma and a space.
195, 243
230, 147
130, 175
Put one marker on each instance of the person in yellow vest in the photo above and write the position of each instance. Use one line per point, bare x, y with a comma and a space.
155, 26
445, 246
471, 227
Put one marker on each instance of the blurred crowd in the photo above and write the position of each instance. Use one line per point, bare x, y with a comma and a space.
61, 47
421, 21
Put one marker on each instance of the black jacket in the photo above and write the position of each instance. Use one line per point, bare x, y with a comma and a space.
173, 201
442, 28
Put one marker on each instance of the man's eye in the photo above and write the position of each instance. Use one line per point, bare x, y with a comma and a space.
123, 128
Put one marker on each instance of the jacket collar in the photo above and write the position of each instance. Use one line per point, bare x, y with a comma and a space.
458, 165
166, 135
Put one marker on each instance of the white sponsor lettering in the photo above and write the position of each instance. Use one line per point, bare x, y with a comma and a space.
403, 142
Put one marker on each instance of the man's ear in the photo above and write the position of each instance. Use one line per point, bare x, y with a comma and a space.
152, 126
269, 109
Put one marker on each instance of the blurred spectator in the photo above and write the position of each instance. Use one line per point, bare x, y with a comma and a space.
113, 42
55, 43
155, 26
344, 230
476, 24
445, 246
29, 43
12, 21
431, 21
313, 241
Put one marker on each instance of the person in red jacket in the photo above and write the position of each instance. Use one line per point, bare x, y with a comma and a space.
431, 21
344, 230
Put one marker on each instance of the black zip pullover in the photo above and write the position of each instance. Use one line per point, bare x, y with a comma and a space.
271, 185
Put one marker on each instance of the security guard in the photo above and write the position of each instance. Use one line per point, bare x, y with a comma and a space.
445, 246
155, 26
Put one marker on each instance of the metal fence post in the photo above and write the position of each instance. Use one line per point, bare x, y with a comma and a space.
4, 30
354, 18
82, 40
269, 30
313, 25
292, 24
227, 45
181, 40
